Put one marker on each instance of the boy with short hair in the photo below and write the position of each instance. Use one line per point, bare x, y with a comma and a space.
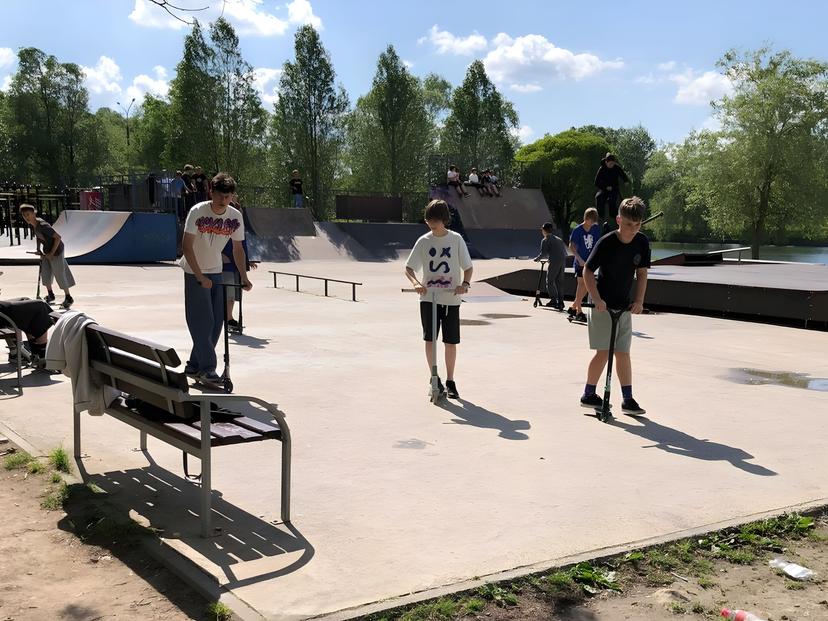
53, 265
553, 250
296, 189
619, 257
443, 259
581, 242
208, 227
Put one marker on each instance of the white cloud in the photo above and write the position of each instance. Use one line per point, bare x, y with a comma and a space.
147, 14
527, 58
711, 124
408, 63
668, 66
7, 57
6, 85
248, 17
523, 133
104, 77
645, 79
530, 87
301, 12
142, 84
266, 81
447, 43
699, 89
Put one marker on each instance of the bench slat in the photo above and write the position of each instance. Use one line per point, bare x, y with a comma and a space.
227, 431
136, 346
266, 429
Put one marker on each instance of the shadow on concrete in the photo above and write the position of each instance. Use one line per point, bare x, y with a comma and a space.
642, 335
245, 549
680, 443
246, 340
31, 379
467, 413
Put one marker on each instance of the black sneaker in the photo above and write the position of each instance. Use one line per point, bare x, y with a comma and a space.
451, 390
550, 304
67, 301
581, 317
25, 356
50, 297
232, 323
571, 311
592, 401
631, 408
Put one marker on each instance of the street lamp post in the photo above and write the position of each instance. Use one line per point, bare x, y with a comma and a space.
126, 115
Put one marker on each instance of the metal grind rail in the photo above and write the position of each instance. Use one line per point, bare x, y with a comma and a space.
327, 280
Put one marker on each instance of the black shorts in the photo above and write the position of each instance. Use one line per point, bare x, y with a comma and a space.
579, 270
447, 316
30, 316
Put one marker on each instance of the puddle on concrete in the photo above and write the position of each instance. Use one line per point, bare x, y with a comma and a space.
756, 377
474, 322
413, 443
503, 316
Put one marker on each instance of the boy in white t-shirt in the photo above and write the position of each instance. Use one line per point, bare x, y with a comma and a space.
442, 257
208, 226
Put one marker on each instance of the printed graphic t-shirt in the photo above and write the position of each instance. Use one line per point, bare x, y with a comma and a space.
585, 240
211, 234
442, 261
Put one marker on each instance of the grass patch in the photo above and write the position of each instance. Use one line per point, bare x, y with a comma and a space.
698, 608
498, 595
54, 500
472, 605
706, 583
55, 478
443, 608
677, 608
59, 460
16, 461
219, 612
35, 467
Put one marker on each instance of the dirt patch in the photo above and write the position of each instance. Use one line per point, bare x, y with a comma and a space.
689, 579
48, 572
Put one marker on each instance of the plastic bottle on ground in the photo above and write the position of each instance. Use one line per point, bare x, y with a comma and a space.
797, 572
739, 615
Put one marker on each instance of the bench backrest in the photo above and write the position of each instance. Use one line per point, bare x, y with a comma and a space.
145, 369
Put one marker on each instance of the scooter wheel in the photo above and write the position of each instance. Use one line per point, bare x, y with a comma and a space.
228, 385
535, 303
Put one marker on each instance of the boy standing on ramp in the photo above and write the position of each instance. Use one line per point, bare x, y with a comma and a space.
442, 257
53, 265
619, 257
581, 241
208, 227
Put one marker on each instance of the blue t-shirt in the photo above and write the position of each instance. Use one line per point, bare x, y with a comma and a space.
585, 240
228, 252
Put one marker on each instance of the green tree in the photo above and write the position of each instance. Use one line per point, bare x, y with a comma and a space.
479, 125
671, 182
308, 127
436, 96
238, 120
192, 105
765, 170
390, 131
563, 166
150, 135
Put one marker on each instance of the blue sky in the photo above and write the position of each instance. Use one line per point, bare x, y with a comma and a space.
560, 63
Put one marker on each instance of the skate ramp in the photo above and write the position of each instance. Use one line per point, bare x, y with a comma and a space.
268, 223
386, 241
112, 237
503, 243
516, 208
327, 242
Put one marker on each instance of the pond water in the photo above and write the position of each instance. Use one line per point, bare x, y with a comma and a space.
801, 254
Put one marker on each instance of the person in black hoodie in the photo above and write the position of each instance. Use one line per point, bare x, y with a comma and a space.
608, 180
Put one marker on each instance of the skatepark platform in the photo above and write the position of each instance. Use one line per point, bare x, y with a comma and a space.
106, 237
396, 499
787, 293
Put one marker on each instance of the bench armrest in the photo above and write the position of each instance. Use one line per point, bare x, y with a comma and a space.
271, 408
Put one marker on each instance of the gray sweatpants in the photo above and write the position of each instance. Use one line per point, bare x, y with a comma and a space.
56, 268
204, 311
555, 282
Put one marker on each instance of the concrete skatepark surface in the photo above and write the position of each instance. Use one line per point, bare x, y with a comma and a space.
392, 495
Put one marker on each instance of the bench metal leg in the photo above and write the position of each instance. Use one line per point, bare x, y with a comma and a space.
77, 432
286, 451
143, 440
206, 509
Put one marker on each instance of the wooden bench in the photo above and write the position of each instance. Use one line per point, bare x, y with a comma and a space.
156, 401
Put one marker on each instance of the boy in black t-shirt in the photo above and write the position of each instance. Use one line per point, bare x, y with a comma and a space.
296, 189
620, 257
